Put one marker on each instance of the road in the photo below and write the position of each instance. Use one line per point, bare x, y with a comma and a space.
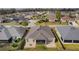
32, 23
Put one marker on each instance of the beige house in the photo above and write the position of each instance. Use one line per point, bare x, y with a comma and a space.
40, 35
65, 18
52, 16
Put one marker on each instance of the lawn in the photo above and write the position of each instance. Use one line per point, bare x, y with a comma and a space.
11, 23
72, 47
51, 23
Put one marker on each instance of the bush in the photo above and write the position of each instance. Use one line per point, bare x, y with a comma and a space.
17, 40
14, 45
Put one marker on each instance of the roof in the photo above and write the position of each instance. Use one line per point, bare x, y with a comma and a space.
1, 19
16, 31
52, 16
4, 33
65, 18
69, 32
40, 32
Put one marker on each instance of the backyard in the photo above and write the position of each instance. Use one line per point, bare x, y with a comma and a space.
43, 48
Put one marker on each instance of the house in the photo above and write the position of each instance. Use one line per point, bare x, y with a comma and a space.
77, 19
8, 33
39, 35
2, 20
68, 34
52, 17
5, 36
65, 18
16, 32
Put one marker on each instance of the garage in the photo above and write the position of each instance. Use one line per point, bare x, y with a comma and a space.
40, 41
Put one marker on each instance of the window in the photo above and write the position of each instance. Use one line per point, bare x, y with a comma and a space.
75, 41
68, 41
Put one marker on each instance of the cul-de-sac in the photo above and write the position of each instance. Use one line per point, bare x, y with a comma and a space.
39, 29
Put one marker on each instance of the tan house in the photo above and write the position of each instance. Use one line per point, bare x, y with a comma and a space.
40, 35
52, 17
65, 18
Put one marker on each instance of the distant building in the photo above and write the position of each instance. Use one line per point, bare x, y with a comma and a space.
2, 20
52, 17
65, 18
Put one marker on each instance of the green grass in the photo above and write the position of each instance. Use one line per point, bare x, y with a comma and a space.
51, 23
11, 23
72, 47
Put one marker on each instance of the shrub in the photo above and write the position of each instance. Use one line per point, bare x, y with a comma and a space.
17, 40
14, 45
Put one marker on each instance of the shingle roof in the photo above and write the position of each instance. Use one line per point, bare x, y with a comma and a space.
69, 32
16, 31
1, 19
4, 33
42, 32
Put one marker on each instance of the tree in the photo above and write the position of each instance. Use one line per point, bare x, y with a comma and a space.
58, 15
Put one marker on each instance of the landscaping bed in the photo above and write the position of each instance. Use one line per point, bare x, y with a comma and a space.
16, 46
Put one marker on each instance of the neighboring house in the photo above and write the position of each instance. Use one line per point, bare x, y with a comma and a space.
16, 32
2, 20
68, 34
77, 19
5, 36
39, 35
14, 18
21, 19
65, 18
18, 19
52, 17
63, 13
